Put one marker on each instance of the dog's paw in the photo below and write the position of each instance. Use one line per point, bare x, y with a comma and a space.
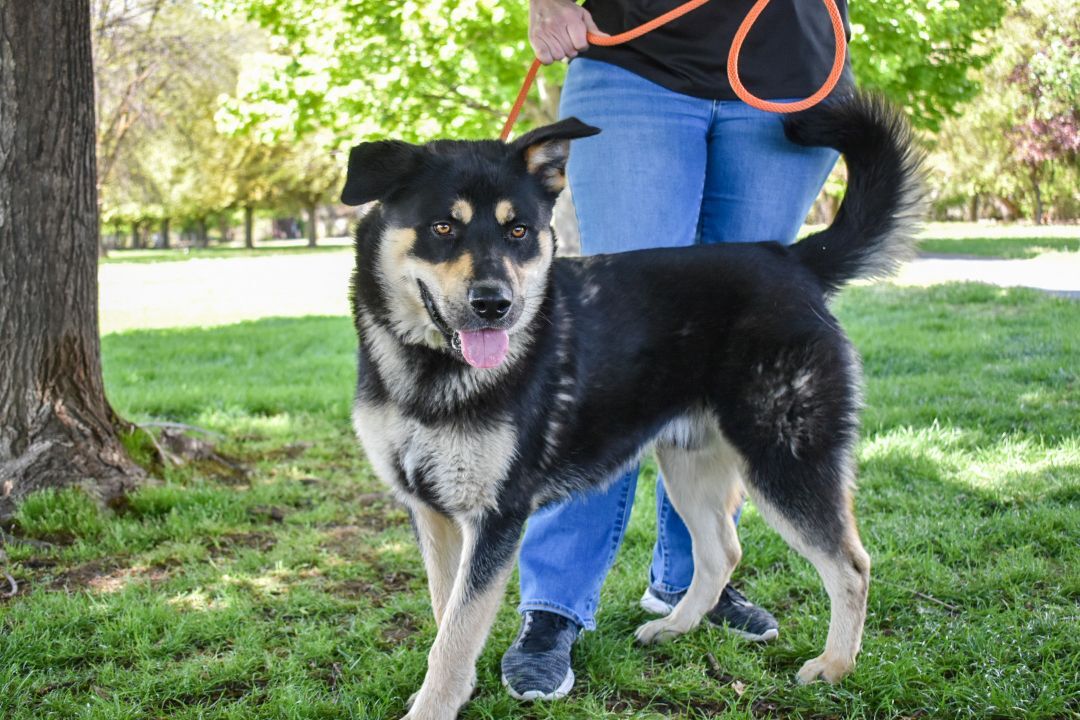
657, 631
823, 667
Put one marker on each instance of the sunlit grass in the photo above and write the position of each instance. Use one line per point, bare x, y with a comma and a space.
296, 591
263, 249
1010, 241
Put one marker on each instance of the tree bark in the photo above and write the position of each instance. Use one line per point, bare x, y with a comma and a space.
202, 235
224, 229
164, 232
249, 226
56, 427
1038, 198
313, 225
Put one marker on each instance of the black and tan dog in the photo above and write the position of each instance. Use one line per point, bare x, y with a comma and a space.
494, 378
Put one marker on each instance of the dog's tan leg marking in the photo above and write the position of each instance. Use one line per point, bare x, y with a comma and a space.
704, 487
440, 545
846, 576
466, 621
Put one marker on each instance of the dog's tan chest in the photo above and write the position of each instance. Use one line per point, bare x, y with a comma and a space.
462, 467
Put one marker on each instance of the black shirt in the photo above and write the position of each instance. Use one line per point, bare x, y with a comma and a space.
788, 53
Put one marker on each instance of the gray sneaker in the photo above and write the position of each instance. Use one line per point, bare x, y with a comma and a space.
733, 612
537, 665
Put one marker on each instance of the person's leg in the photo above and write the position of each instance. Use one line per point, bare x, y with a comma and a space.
637, 184
759, 187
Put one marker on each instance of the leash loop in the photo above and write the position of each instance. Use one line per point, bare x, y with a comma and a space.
732, 65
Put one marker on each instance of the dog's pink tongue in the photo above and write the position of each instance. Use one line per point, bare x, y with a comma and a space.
484, 348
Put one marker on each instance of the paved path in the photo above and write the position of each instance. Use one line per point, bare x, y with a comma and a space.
218, 292
223, 291
1057, 272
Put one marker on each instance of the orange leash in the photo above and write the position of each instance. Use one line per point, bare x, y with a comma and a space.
732, 66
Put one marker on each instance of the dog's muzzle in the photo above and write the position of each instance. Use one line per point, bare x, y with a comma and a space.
452, 338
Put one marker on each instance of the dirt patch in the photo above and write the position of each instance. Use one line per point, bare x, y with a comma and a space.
357, 589
229, 690
398, 629
287, 452
267, 512
350, 541
632, 701
343, 540
254, 540
107, 576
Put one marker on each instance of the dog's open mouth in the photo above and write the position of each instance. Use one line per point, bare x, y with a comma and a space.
485, 348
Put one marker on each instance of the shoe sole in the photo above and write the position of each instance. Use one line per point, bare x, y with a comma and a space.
652, 604
532, 695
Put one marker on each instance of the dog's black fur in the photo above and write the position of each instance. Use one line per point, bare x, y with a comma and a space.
722, 349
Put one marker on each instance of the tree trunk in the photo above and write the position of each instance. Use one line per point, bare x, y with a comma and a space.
249, 226
223, 229
202, 235
313, 225
135, 235
56, 427
1038, 199
164, 232
973, 208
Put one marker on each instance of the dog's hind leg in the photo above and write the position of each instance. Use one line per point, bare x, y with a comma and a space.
821, 527
704, 487
440, 545
488, 551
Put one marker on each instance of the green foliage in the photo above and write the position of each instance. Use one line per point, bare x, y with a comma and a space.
358, 69
1017, 143
419, 70
921, 53
165, 69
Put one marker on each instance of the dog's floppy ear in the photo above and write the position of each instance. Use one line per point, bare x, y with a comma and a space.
377, 169
546, 149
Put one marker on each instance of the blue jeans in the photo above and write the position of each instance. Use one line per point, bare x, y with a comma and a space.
667, 170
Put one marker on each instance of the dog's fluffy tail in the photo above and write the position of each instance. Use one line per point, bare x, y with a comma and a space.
873, 232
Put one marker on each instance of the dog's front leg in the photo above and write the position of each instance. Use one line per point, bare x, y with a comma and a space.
440, 545
489, 547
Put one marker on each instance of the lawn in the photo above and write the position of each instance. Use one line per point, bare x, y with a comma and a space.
294, 590
263, 249
1013, 242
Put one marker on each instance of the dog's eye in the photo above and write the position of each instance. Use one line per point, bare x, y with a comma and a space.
442, 228
518, 232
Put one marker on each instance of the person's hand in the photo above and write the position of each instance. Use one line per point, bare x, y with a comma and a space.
557, 29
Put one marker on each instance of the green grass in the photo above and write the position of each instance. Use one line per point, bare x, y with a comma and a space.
1016, 242
126, 256
296, 591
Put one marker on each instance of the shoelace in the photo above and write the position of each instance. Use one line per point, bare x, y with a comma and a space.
736, 597
541, 630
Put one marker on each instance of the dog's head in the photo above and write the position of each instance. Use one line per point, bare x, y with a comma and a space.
467, 246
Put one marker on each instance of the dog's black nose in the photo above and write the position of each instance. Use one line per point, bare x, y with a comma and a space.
490, 302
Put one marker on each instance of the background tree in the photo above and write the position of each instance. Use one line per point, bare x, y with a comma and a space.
923, 53
163, 66
416, 70
1013, 151
56, 426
